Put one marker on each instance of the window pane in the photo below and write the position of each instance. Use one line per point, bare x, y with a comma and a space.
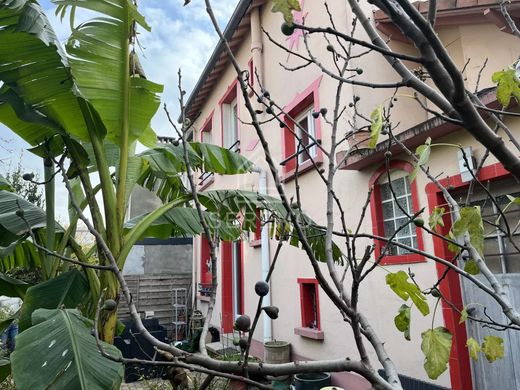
399, 186
389, 228
385, 191
388, 210
302, 132
404, 241
403, 206
405, 231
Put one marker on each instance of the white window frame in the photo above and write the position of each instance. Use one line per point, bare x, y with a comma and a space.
313, 150
230, 125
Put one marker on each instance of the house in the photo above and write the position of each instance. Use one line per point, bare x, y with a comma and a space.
474, 33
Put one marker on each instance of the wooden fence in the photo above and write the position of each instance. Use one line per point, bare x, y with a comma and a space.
153, 293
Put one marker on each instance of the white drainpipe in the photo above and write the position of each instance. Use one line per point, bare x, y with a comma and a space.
262, 190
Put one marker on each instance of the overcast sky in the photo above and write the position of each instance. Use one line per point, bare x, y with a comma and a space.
181, 37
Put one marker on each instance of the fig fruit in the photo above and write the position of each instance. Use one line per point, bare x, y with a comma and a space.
20, 213
315, 114
28, 176
436, 293
261, 288
388, 154
419, 222
271, 311
330, 48
323, 111
287, 29
242, 323
109, 305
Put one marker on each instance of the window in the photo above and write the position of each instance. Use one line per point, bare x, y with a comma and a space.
395, 211
306, 147
257, 235
229, 116
389, 213
306, 128
500, 253
310, 310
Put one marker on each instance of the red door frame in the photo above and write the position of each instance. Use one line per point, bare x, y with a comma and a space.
227, 284
460, 369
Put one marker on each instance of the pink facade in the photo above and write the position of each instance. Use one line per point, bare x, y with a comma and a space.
307, 319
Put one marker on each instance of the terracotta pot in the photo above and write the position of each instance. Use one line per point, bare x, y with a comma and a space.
237, 385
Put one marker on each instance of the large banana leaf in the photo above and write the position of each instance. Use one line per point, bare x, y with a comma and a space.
13, 226
59, 352
67, 290
37, 98
163, 166
4, 184
12, 287
100, 60
19, 254
184, 221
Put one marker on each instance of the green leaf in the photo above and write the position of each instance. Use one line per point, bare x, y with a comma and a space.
5, 368
99, 57
399, 284
508, 86
402, 321
40, 100
68, 290
473, 348
436, 218
470, 221
514, 200
11, 225
11, 287
423, 154
452, 247
436, 346
59, 352
471, 267
4, 184
493, 348
286, 7
463, 315
377, 125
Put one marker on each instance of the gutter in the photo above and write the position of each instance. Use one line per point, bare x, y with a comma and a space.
266, 260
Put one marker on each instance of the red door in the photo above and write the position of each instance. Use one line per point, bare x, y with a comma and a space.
232, 283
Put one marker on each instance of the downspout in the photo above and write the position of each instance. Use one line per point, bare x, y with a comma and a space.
262, 190
256, 52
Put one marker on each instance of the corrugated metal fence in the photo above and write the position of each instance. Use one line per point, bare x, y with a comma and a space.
154, 293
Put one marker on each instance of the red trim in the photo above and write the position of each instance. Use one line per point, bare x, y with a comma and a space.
230, 95
302, 100
304, 305
227, 284
460, 369
377, 215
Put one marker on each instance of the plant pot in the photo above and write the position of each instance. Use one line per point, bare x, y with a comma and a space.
277, 352
237, 385
312, 381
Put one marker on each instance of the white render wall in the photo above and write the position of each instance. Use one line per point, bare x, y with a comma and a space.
379, 303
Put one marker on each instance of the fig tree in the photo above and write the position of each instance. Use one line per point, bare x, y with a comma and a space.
261, 288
